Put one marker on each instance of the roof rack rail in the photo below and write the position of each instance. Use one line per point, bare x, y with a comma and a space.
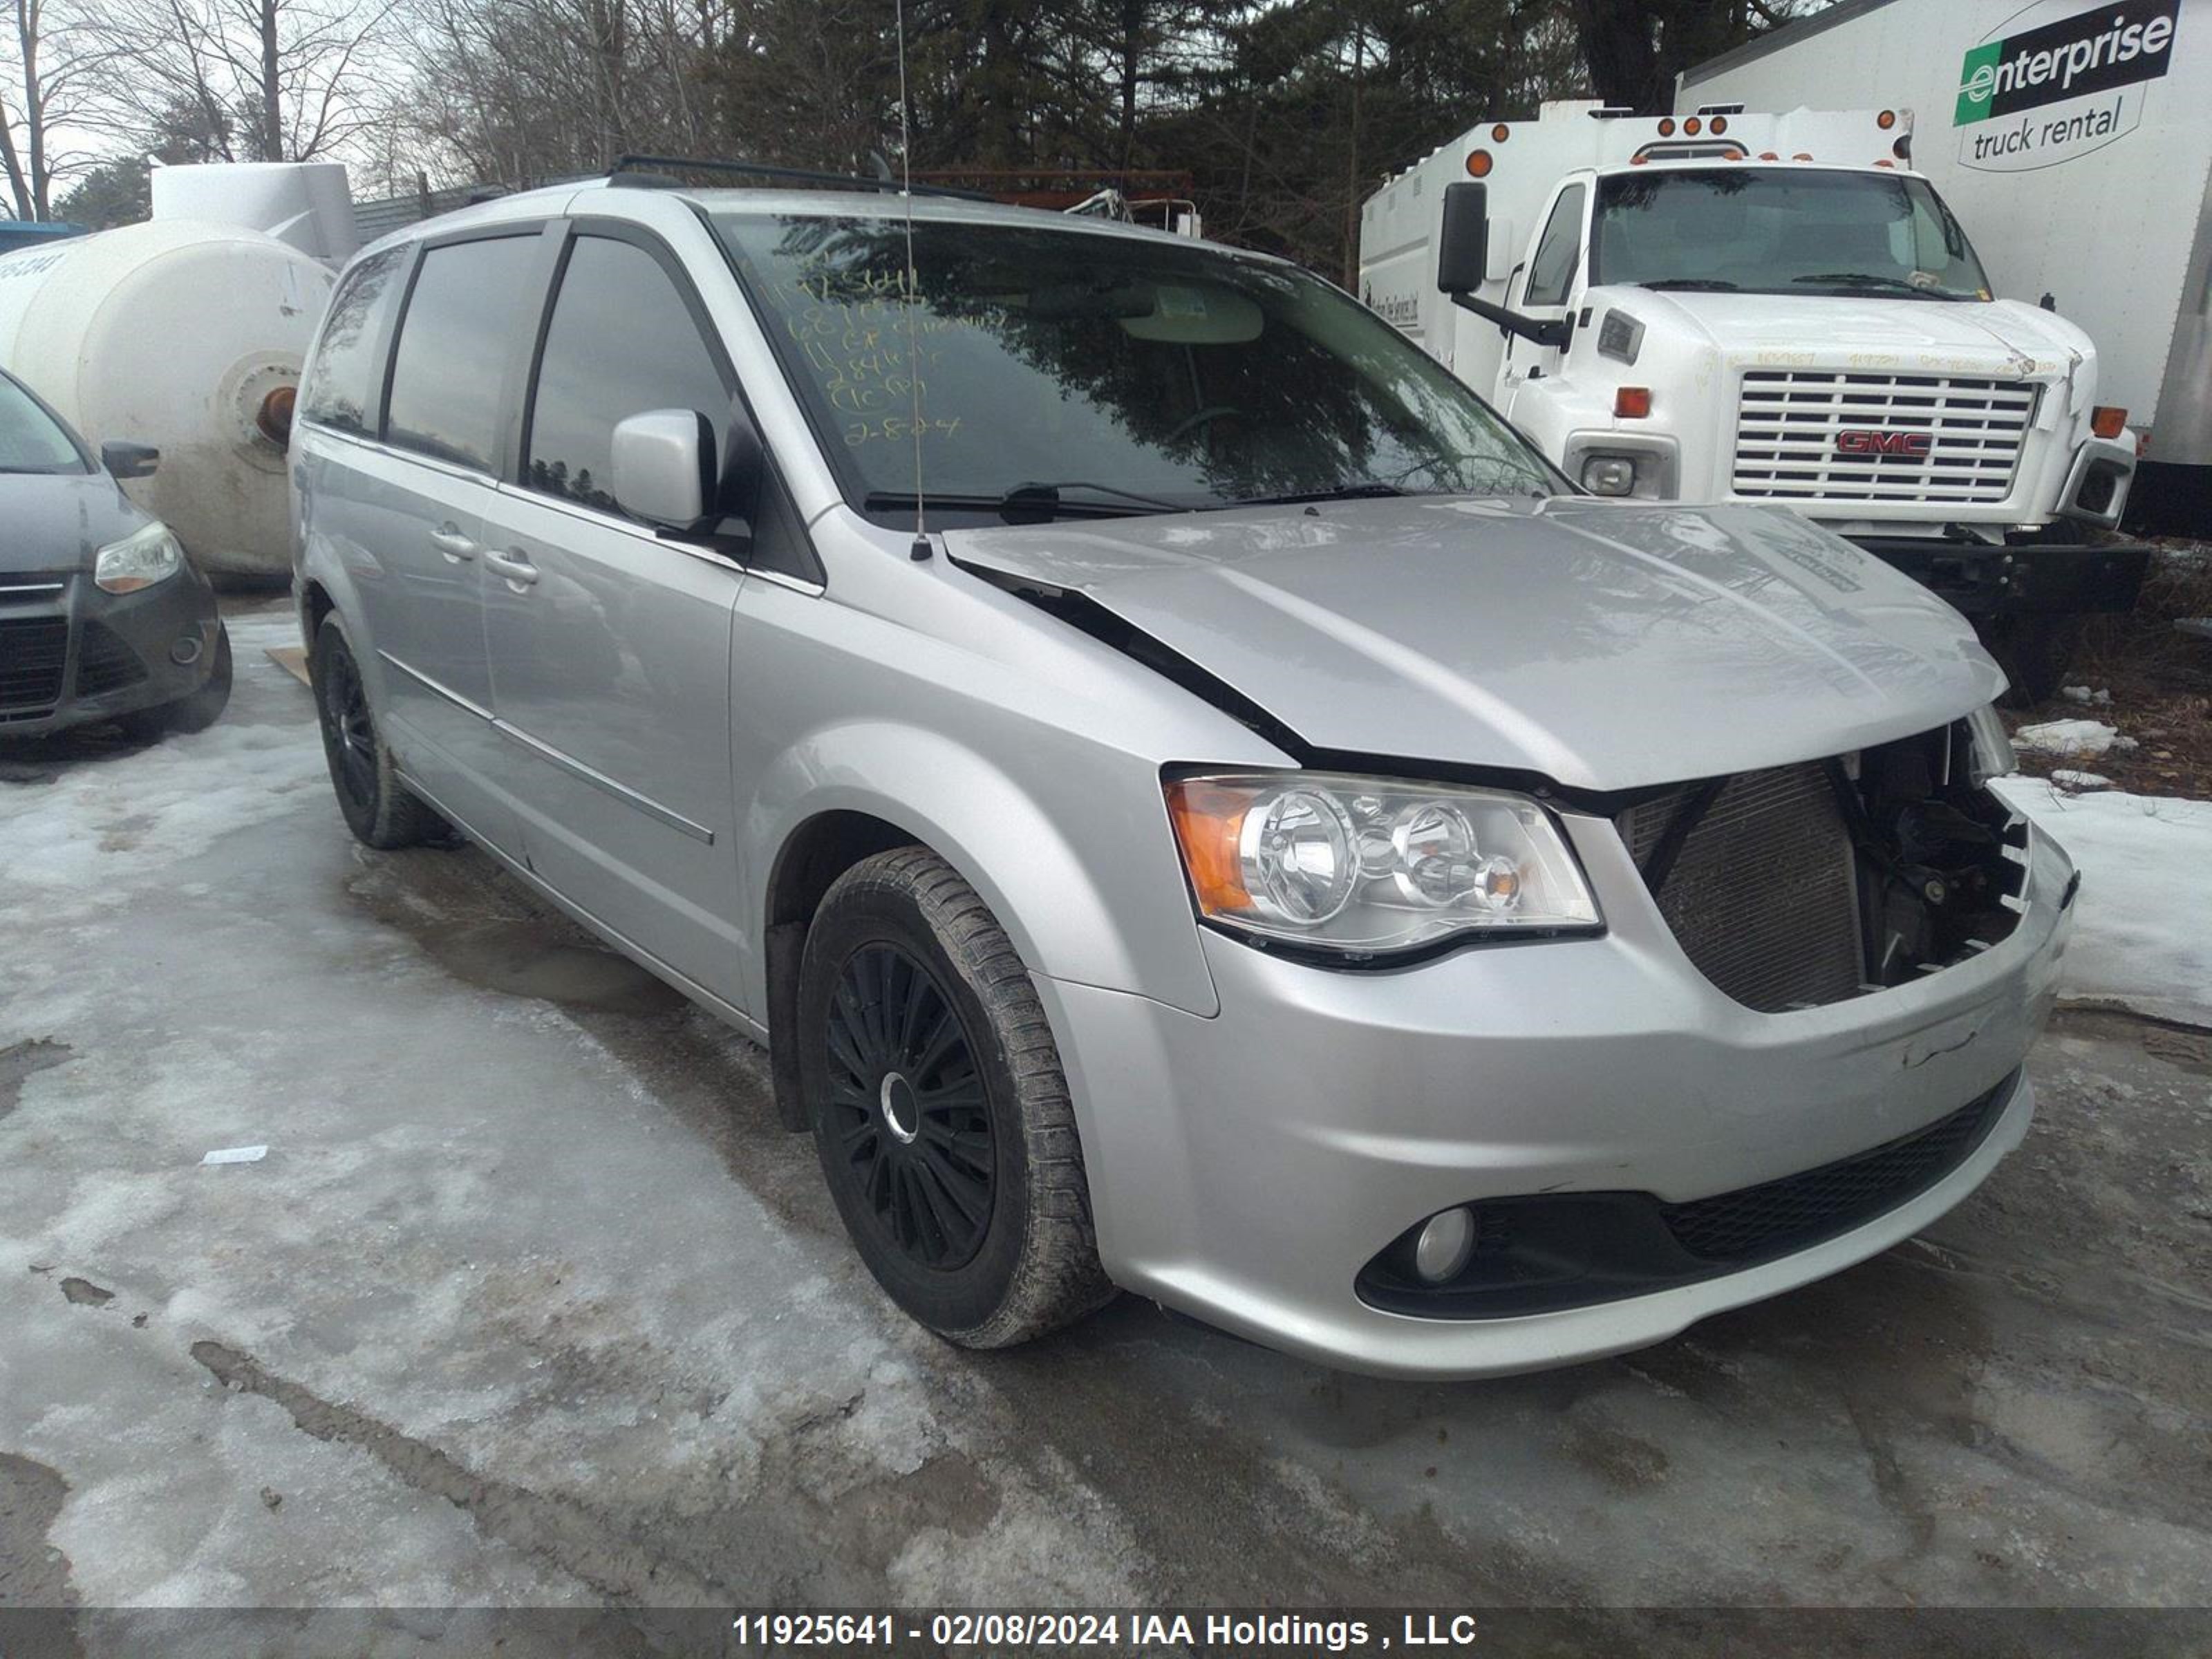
641, 173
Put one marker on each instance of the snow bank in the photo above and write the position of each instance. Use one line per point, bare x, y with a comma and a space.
2144, 934
2082, 737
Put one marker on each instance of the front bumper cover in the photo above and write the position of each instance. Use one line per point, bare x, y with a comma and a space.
129, 670
1244, 1169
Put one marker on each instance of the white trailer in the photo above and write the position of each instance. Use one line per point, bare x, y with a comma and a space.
2076, 140
1773, 308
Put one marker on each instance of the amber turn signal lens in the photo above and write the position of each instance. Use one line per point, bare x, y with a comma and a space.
1887, 119
1631, 403
1478, 164
1208, 822
2108, 422
1720, 125
1693, 126
1667, 128
1499, 133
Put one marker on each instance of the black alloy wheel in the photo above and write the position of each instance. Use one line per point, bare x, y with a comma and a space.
909, 1112
379, 808
941, 1113
349, 733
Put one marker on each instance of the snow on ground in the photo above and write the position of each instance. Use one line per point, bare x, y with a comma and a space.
2145, 932
2076, 737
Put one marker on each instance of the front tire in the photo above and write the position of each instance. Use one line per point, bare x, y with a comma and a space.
941, 1114
377, 805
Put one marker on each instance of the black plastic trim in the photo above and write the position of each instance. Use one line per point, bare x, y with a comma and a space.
1547, 1253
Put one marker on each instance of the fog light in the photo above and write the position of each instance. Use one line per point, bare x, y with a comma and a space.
186, 651
1609, 475
1446, 1241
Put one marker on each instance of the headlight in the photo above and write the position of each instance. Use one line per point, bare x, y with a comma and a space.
1366, 866
1990, 754
139, 560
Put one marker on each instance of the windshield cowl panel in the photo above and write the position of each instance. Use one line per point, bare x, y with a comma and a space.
1050, 373
1809, 232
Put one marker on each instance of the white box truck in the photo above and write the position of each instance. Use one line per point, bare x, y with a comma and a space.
1772, 308
2075, 141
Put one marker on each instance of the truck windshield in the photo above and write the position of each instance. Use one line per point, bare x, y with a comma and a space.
1771, 230
1160, 376
30, 442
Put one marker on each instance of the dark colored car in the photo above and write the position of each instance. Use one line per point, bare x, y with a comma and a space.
101, 616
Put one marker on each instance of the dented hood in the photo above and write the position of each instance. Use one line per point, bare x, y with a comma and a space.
1605, 645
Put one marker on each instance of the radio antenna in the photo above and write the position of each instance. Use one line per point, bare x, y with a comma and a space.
920, 550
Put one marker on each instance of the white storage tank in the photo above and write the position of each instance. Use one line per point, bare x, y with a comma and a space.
183, 334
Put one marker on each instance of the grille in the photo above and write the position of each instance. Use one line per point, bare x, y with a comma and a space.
32, 652
1790, 419
1760, 896
105, 663
1797, 1211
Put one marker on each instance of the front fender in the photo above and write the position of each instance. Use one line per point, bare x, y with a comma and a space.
1086, 884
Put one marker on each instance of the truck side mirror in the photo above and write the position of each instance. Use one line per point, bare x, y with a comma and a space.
1463, 243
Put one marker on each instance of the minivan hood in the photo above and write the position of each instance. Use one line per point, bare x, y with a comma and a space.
53, 521
1603, 646
1999, 337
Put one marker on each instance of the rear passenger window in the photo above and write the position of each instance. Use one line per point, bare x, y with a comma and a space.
622, 341
453, 342
342, 390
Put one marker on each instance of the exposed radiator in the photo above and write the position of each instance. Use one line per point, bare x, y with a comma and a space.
1761, 896
1803, 434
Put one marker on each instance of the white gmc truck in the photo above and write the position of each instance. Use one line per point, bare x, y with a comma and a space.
1729, 306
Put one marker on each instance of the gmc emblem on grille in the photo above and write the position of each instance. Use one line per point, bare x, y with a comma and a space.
1860, 440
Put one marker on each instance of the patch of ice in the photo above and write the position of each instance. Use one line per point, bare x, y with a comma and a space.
2145, 929
2066, 778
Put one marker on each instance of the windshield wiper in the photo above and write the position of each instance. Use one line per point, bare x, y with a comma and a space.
1028, 503
1352, 490
1861, 279
1692, 284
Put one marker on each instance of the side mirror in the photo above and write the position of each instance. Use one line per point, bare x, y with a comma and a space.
129, 460
664, 468
1463, 242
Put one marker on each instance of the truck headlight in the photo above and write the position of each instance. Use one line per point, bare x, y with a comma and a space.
143, 557
1609, 475
1990, 753
1366, 867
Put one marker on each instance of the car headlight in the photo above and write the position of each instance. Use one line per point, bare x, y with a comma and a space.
1990, 753
1366, 866
139, 560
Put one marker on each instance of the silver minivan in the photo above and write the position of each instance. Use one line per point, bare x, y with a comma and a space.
1191, 802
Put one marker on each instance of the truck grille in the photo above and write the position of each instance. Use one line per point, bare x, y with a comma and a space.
34, 651
1797, 436
1760, 895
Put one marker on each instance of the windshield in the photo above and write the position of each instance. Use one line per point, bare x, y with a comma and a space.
1158, 376
30, 439
1771, 231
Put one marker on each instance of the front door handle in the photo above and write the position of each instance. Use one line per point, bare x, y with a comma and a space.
448, 540
514, 565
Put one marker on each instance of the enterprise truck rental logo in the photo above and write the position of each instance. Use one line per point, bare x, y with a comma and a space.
2052, 90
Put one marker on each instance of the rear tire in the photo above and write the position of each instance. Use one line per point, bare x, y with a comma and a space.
378, 807
193, 713
940, 1111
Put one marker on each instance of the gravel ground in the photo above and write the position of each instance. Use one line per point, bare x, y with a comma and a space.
530, 1304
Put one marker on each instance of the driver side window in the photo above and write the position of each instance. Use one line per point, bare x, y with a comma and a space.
1559, 253
622, 343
